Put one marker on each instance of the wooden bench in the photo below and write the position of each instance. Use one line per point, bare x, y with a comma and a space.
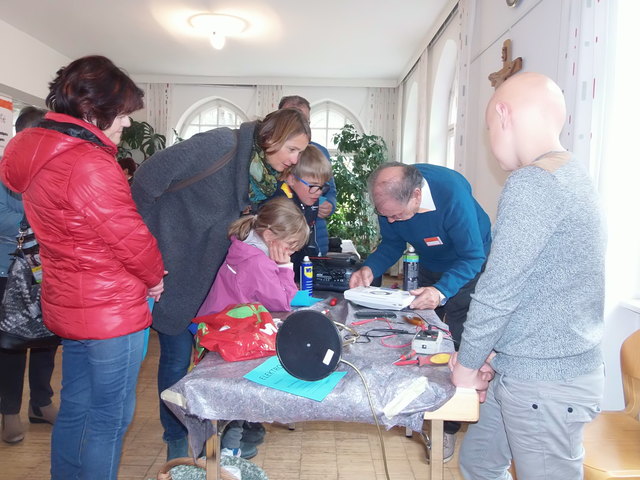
612, 440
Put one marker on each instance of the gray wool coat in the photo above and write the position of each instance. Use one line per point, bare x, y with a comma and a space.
191, 224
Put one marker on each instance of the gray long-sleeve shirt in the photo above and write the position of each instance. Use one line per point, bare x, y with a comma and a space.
539, 303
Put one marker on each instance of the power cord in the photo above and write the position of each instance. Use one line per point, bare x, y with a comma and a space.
375, 417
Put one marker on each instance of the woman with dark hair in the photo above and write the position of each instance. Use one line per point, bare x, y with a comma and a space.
99, 260
189, 194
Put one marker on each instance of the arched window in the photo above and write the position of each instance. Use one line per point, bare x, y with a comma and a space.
444, 108
410, 125
451, 130
209, 115
327, 119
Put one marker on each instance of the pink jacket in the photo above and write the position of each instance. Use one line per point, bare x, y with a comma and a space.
246, 276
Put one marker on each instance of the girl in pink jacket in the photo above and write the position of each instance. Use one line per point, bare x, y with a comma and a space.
258, 266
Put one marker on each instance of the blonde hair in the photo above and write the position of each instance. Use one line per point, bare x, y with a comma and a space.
312, 163
281, 216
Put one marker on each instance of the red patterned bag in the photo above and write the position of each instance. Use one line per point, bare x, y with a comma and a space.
239, 332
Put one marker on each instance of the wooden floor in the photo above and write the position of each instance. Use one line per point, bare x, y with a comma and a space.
314, 451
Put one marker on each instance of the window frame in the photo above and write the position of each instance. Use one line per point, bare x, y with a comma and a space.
204, 106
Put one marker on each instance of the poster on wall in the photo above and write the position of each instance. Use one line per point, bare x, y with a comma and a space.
6, 122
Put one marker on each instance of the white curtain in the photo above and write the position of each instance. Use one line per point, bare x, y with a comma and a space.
267, 99
422, 137
158, 103
582, 73
382, 116
466, 17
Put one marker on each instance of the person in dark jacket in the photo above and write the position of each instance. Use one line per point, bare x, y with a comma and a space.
99, 260
189, 194
14, 362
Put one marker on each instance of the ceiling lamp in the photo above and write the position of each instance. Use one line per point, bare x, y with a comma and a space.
218, 26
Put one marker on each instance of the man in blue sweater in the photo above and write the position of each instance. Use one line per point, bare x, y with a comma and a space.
431, 208
537, 311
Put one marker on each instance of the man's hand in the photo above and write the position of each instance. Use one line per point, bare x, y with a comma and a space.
325, 209
462, 376
426, 298
361, 278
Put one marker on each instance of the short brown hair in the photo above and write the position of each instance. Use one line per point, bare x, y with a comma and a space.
280, 126
29, 117
294, 101
95, 90
128, 164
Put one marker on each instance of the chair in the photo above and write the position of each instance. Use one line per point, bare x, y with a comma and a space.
612, 440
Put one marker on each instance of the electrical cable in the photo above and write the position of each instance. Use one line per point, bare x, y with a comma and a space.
375, 417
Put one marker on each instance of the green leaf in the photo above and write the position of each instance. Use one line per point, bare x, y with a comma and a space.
358, 155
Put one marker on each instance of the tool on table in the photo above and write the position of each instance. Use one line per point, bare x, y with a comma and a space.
374, 314
412, 358
427, 341
414, 320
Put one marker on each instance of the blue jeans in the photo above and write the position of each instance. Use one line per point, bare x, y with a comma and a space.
175, 357
97, 402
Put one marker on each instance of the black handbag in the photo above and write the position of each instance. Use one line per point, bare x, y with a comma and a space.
21, 324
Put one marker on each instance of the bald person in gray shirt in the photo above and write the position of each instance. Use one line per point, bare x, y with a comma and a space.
537, 311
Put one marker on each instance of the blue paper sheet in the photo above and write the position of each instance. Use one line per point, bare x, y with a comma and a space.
272, 374
303, 299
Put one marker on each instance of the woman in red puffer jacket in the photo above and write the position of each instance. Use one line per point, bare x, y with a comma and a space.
99, 260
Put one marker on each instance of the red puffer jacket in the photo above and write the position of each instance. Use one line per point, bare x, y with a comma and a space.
98, 257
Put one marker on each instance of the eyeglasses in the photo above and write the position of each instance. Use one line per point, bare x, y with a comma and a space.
323, 189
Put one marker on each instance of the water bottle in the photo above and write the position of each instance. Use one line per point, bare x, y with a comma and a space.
306, 275
410, 262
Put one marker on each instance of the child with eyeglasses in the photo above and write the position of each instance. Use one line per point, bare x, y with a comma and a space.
304, 184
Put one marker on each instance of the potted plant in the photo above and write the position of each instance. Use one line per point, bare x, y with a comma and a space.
354, 218
140, 137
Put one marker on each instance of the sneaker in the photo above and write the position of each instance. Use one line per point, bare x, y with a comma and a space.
253, 433
449, 446
248, 450
231, 452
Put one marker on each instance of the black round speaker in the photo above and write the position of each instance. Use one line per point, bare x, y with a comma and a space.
308, 345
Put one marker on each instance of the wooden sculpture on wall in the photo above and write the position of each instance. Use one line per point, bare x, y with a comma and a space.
509, 67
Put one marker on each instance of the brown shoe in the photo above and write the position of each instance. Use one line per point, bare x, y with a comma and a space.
12, 429
46, 414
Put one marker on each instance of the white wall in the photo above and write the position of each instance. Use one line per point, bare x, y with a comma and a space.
534, 29
27, 66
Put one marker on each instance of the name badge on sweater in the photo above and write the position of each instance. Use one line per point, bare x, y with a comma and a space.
433, 241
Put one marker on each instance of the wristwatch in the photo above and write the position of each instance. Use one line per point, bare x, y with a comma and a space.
443, 299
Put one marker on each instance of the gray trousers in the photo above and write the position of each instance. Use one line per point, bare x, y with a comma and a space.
537, 424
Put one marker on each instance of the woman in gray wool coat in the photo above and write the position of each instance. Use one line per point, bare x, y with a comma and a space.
188, 195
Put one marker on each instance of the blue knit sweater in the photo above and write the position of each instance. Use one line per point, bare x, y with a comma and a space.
453, 239
539, 303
